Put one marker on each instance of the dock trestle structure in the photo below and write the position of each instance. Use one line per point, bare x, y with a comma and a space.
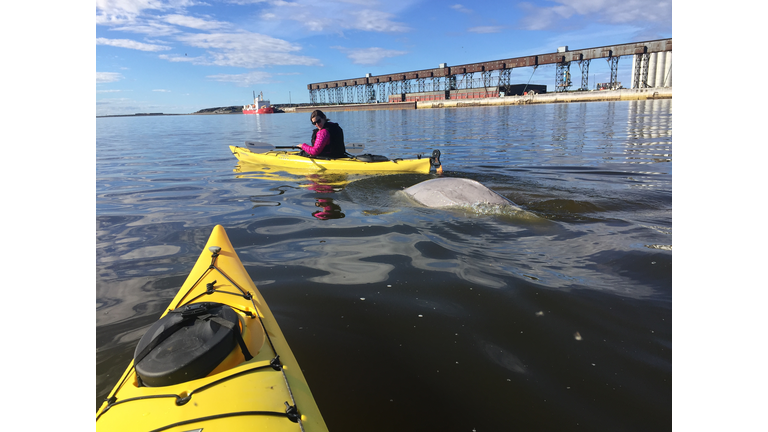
493, 77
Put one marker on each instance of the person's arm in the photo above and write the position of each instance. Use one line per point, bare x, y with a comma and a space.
322, 138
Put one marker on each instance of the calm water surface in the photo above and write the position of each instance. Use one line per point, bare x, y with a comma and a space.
408, 318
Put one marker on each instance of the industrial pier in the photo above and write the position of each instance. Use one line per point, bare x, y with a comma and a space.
456, 86
534, 98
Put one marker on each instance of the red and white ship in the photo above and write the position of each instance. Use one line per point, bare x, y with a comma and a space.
259, 106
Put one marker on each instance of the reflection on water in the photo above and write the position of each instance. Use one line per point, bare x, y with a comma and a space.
322, 183
360, 276
329, 210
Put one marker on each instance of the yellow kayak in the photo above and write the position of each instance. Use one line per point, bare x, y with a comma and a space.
356, 164
216, 360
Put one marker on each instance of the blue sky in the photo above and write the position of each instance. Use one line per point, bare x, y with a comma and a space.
180, 56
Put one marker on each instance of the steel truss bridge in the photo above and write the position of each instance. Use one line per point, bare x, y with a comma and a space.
371, 89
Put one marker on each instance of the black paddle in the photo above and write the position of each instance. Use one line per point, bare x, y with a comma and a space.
263, 146
257, 145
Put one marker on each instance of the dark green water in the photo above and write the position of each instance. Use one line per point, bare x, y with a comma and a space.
408, 318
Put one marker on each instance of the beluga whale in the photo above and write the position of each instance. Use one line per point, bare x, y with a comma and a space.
462, 193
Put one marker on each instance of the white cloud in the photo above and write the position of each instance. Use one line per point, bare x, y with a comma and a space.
656, 12
130, 44
192, 22
161, 90
245, 2
329, 15
123, 11
136, 16
247, 50
149, 28
111, 11
179, 58
107, 77
540, 18
244, 80
126, 7
486, 29
369, 56
460, 8
373, 20
334, 16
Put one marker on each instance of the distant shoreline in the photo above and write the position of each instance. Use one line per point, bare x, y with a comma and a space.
139, 115
542, 98
163, 114
218, 110
234, 109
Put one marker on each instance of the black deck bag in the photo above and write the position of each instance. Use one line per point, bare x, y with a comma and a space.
187, 343
371, 158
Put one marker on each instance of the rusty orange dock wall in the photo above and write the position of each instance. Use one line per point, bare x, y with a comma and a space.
360, 107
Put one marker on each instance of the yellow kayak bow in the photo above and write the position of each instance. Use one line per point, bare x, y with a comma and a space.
215, 361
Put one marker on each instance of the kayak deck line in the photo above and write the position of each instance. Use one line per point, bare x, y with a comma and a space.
291, 411
210, 285
221, 416
252, 389
183, 399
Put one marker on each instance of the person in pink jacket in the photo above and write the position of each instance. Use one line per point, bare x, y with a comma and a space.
327, 139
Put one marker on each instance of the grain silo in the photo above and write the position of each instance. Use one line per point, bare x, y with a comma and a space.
659, 67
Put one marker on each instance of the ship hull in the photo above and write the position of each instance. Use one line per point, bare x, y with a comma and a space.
267, 110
